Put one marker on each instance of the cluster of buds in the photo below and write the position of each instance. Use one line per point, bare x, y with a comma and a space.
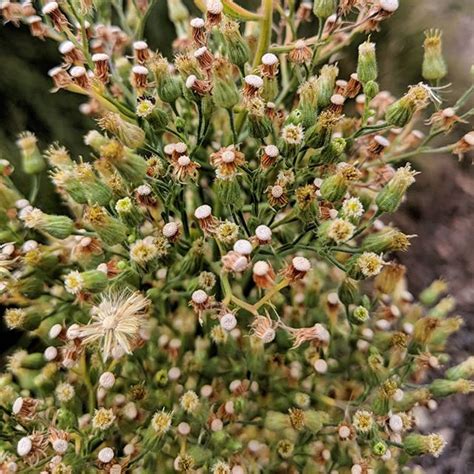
221, 295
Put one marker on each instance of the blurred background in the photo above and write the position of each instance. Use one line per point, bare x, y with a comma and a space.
440, 206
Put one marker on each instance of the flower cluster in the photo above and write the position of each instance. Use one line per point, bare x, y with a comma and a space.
221, 293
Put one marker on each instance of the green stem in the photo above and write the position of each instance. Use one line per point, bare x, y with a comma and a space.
265, 31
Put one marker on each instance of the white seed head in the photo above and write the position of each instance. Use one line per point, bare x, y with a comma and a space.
381, 141
338, 99
396, 423
78, 71
469, 138
140, 70
170, 229
169, 148
60, 446
66, 47
449, 112
184, 160
240, 264
107, 380
228, 156
50, 353
272, 151
389, 5
24, 445
200, 51
398, 395
140, 45
50, 7
261, 268
277, 191
203, 211
214, 6
333, 298
301, 264
17, 405
190, 81
105, 455
269, 59
263, 232
180, 147
321, 366
184, 429
100, 57
344, 432
242, 246
199, 297
217, 425
254, 81
55, 331
197, 23
174, 373
228, 321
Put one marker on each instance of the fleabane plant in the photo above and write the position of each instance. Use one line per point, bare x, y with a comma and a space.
220, 294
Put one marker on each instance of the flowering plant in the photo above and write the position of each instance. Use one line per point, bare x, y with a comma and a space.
219, 295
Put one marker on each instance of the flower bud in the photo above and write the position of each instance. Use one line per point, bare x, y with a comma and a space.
348, 292
390, 197
129, 134
110, 229
334, 187
324, 8
331, 153
32, 161
359, 315
444, 388
59, 227
434, 66
325, 85
429, 296
367, 63
464, 370
236, 48
417, 444
386, 240
93, 281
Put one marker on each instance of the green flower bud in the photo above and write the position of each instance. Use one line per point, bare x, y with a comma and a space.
412, 398
464, 370
331, 153
128, 212
371, 89
349, 292
444, 388
19, 318
276, 421
367, 63
128, 133
235, 47
417, 444
325, 85
65, 419
270, 88
33, 361
386, 240
401, 112
434, 66
32, 161
225, 93
260, 126
320, 133
228, 192
314, 420
359, 315
110, 230
390, 197
429, 296
31, 286
153, 114
177, 11
379, 448
334, 187
324, 8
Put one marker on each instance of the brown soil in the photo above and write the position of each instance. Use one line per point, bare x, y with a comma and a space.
440, 210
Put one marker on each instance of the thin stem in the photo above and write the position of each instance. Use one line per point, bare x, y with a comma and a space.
265, 31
